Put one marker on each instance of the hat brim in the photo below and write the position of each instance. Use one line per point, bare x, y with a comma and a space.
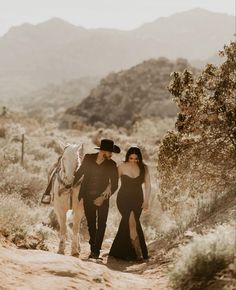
115, 149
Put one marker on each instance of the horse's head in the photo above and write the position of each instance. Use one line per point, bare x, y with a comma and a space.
70, 161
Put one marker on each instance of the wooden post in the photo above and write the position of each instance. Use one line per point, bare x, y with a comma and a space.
234, 263
22, 149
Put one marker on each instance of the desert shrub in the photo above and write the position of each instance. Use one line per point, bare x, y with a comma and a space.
52, 144
10, 153
198, 158
148, 133
29, 180
42, 147
16, 180
153, 129
22, 224
14, 215
202, 258
14, 131
39, 152
2, 132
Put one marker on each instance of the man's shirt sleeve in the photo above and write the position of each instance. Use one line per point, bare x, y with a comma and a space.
80, 172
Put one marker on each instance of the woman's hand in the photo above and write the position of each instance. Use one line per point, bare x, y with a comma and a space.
107, 193
145, 205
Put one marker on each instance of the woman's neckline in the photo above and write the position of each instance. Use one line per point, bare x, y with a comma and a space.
130, 176
130, 166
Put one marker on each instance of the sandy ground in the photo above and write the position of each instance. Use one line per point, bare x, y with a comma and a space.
38, 270
33, 269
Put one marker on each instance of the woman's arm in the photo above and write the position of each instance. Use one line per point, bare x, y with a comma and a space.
120, 169
147, 189
107, 192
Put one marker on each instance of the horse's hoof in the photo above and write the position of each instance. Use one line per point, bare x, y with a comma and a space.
76, 255
60, 252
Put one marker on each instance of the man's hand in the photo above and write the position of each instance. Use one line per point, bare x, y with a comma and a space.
99, 200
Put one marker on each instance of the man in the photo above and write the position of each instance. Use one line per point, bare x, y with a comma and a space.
100, 180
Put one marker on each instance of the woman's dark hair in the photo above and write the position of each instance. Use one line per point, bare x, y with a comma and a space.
141, 165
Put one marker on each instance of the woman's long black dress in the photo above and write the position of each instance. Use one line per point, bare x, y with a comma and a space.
129, 198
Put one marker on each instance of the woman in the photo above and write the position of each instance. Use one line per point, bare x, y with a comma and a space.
129, 243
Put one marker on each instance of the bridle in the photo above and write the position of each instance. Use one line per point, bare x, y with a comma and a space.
61, 168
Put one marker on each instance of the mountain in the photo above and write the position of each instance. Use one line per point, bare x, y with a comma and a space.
57, 98
32, 56
122, 98
215, 59
197, 33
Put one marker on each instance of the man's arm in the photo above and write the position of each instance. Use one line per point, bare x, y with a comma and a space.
80, 172
111, 187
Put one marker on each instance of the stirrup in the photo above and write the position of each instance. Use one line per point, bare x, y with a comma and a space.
46, 199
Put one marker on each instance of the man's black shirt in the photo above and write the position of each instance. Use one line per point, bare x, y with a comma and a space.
96, 177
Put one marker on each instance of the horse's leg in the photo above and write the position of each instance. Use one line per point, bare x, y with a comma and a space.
78, 212
62, 232
61, 207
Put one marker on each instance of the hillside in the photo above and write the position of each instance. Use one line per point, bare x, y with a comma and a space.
32, 56
122, 98
196, 33
190, 224
57, 97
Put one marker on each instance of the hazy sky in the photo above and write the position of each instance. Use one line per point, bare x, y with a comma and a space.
121, 14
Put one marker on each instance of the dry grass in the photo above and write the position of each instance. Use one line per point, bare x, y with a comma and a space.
21, 187
202, 258
22, 224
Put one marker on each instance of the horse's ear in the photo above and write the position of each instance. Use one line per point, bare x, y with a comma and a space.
61, 145
80, 151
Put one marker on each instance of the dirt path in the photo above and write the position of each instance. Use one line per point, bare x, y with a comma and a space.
39, 270
33, 269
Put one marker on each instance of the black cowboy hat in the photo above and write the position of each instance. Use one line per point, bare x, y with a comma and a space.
108, 145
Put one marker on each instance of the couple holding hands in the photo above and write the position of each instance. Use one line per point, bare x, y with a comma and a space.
100, 180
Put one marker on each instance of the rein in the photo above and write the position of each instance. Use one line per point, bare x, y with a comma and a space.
61, 181
67, 186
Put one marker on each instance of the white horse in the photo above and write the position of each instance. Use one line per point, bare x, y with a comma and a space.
65, 197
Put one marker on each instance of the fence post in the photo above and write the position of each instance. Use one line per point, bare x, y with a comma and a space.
22, 149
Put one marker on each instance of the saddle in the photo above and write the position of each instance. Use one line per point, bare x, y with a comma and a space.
46, 198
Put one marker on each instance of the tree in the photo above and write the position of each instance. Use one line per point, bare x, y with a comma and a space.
199, 158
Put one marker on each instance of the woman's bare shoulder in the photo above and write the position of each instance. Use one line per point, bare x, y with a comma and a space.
122, 164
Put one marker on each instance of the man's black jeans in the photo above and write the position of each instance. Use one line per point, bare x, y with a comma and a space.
96, 218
